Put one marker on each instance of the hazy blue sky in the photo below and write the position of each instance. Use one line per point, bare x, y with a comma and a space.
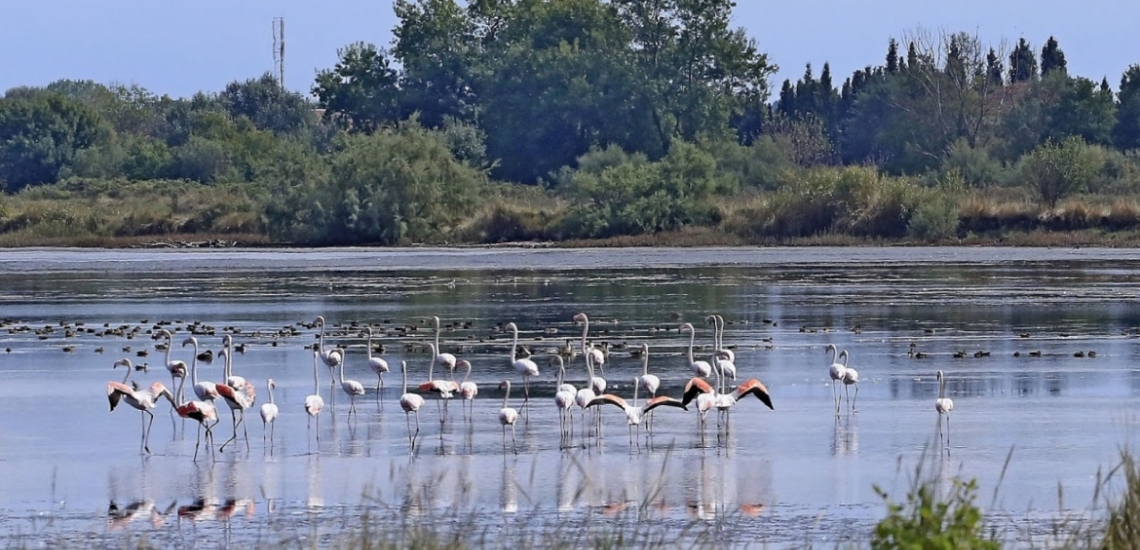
179, 47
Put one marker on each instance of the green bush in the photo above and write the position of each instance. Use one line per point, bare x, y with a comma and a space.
1057, 170
855, 200
618, 194
935, 218
926, 522
974, 164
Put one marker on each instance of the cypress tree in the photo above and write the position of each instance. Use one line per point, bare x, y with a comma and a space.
1052, 58
787, 104
1104, 87
994, 69
1022, 63
893, 57
912, 56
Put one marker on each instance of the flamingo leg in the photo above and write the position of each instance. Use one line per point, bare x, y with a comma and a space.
847, 391
233, 415
264, 430
948, 431
514, 443
526, 399
146, 434
856, 397
408, 423
417, 428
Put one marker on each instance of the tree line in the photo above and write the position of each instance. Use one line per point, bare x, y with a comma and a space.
629, 116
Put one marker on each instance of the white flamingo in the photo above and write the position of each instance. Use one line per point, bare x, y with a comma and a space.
314, 403
377, 364
176, 368
700, 369
634, 413
725, 358
352, 388
508, 416
269, 413
836, 372
444, 388
411, 403
583, 396
206, 391
442, 360
564, 400
239, 395
142, 400
467, 389
595, 354
525, 367
850, 378
648, 382
331, 358
943, 405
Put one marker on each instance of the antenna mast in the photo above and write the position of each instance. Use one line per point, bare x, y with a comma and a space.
279, 49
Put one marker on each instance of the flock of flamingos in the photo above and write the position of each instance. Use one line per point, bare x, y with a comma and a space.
708, 389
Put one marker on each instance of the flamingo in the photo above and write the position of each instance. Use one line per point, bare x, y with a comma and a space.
377, 364
268, 413
445, 388
206, 391
238, 394
201, 412
442, 360
411, 403
583, 396
564, 399
176, 368
704, 393
701, 369
143, 400
850, 378
648, 382
236, 382
314, 403
836, 373
468, 389
525, 367
634, 413
943, 405
352, 388
508, 416
598, 384
725, 358
331, 358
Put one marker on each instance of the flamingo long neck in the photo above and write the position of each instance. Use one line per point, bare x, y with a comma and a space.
635, 387
834, 353
431, 366
692, 337
169, 344
321, 338
514, 342
507, 395
342, 372
435, 350
271, 394
316, 380
181, 384
561, 372
404, 367
194, 365
129, 369
467, 374
585, 330
941, 386
369, 344
589, 370
846, 357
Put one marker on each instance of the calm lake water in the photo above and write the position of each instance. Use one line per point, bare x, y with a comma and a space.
72, 471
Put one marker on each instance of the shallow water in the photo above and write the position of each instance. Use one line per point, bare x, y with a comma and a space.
794, 475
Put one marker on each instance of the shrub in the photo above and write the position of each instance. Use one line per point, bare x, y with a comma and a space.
935, 218
925, 521
1057, 170
974, 165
